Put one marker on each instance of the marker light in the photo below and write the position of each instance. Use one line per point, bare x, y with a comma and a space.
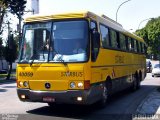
80, 84
25, 84
23, 96
79, 98
87, 84
21, 83
72, 85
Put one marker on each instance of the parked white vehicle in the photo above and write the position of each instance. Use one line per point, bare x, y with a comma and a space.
3, 66
156, 70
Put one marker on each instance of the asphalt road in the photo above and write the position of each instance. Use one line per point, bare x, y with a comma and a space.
121, 107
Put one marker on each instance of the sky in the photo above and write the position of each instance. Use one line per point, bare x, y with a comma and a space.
130, 14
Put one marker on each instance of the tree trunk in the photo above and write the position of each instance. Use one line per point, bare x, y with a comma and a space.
10, 70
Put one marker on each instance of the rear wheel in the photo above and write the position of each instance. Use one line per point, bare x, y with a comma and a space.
136, 82
138, 78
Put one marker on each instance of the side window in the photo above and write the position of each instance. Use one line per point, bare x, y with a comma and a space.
93, 25
141, 50
95, 49
127, 45
122, 39
105, 36
137, 42
135, 45
130, 44
139, 45
113, 36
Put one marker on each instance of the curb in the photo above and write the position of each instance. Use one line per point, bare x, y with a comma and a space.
147, 106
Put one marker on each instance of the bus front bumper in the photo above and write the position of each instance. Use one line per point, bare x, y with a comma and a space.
68, 97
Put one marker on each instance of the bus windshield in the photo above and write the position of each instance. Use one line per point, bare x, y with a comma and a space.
68, 42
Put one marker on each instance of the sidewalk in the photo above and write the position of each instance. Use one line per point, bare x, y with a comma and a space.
151, 104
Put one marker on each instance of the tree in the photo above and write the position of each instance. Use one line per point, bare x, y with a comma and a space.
17, 7
10, 53
151, 34
2, 14
1, 49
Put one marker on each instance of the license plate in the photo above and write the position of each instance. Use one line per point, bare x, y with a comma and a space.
48, 99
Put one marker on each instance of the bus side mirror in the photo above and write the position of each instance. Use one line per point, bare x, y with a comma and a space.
96, 39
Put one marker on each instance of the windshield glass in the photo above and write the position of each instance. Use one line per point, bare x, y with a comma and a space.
35, 42
68, 42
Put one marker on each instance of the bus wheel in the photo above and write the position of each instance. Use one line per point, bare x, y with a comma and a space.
138, 78
134, 85
103, 101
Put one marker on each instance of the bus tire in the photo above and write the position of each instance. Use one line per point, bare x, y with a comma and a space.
134, 85
105, 96
138, 78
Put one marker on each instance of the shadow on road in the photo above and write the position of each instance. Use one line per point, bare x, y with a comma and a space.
7, 81
3, 90
93, 111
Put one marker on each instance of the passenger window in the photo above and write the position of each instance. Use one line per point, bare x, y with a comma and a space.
113, 36
137, 42
127, 45
135, 45
95, 50
122, 39
141, 48
93, 25
139, 45
130, 44
105, 36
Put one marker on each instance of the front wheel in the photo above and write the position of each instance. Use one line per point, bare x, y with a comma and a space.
103, 101
136, 83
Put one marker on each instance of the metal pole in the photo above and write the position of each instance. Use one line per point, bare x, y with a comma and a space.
143, 21
19, 30
119, 8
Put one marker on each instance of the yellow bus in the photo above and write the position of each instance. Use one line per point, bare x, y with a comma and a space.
77, 58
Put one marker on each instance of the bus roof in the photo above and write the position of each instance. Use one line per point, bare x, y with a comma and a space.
85, 14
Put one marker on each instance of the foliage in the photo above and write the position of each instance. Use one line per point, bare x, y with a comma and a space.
16, 6
11, 50
151, 34
2, 48
2, 14
10, 53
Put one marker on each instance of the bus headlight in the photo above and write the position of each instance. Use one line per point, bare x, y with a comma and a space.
25, 84
72, 85
20, 83
80, 84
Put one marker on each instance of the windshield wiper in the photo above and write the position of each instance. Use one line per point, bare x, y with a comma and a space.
33, 58
59, 56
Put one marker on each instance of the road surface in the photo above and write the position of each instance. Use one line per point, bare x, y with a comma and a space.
121, 106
